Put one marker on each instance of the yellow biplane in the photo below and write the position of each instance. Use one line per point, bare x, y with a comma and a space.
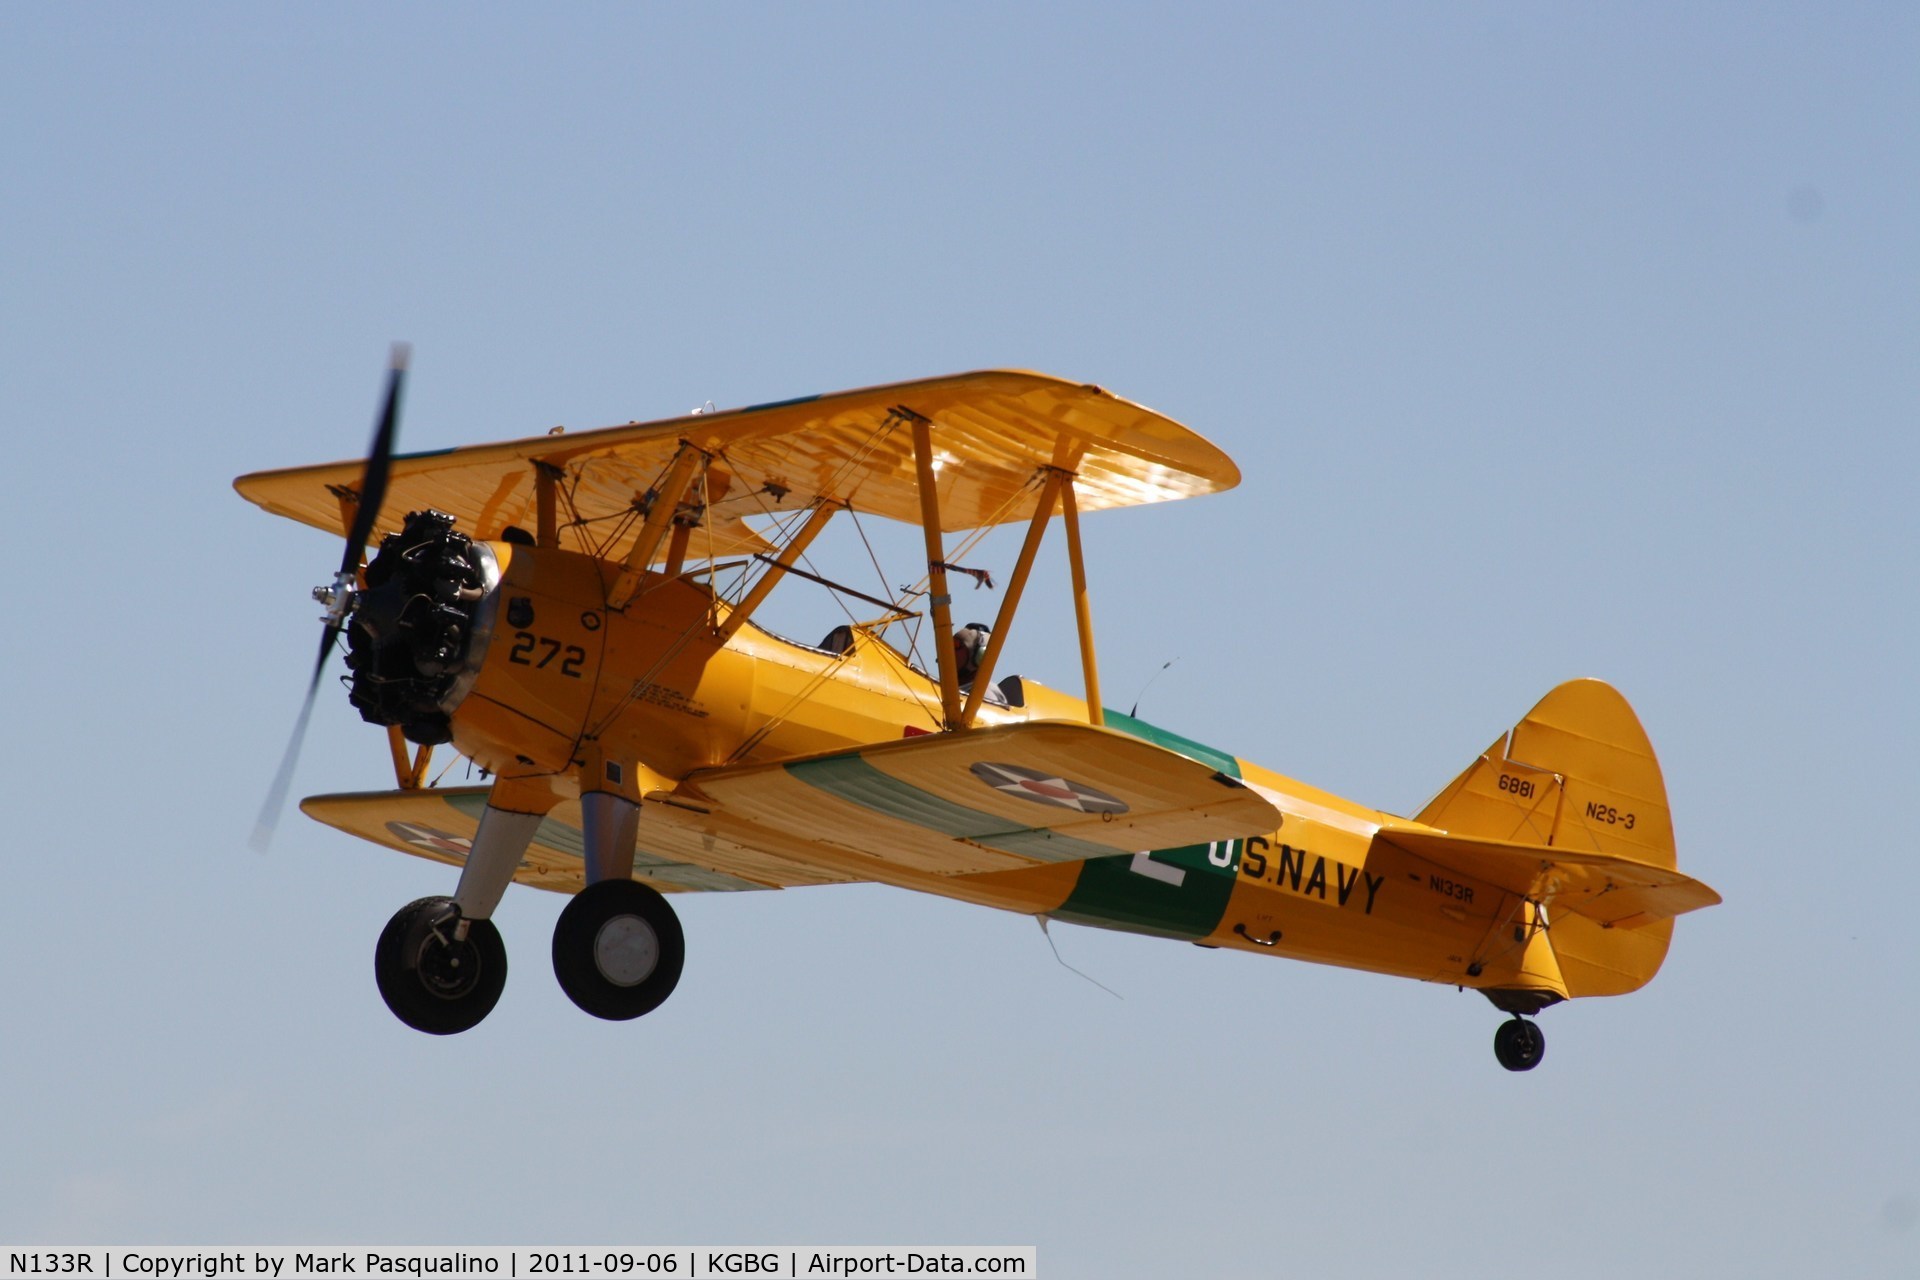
575, 614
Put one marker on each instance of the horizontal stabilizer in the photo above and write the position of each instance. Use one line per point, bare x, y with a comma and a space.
996, 799
1608, 889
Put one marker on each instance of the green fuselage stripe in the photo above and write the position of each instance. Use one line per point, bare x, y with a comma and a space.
1175, 893
1172, 893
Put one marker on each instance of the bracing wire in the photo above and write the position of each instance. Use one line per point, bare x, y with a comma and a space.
1045, 932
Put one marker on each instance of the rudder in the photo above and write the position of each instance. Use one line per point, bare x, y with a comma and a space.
1577, 773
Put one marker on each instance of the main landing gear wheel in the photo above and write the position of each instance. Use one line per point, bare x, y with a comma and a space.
1519, 1045
433, 981
618, 949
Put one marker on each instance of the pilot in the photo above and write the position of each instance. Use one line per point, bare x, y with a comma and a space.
969, 647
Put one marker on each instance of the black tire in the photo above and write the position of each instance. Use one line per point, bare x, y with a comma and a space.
618, 950
1519, 1045
432, 983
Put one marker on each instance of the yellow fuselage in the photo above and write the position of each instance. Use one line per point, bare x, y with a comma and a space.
566, 683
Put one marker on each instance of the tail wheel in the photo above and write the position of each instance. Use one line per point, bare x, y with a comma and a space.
433, 980
1519, 1045
618, 950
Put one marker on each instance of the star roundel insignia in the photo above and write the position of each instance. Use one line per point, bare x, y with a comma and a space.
1047, 788
444, 843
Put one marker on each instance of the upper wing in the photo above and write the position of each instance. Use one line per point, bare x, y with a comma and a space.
991, 431
1607, 888
674, 856
996, 799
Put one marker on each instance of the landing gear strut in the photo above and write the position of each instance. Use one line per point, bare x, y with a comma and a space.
434, 975
618, 949
1519, 1044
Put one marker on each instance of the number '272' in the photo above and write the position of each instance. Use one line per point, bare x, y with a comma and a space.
530, 650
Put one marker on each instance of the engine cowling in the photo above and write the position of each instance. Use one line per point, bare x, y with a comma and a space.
418, 632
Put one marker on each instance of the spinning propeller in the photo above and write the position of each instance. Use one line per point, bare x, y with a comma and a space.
339, 596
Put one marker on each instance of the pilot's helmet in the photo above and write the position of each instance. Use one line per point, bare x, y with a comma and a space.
969, 647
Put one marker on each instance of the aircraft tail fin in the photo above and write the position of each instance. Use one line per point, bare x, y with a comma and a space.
1577, 778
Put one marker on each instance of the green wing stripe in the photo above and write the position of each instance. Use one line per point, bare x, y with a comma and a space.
562, 838
1220, 760
853, 779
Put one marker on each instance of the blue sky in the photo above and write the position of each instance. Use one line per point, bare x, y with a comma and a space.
1551, 340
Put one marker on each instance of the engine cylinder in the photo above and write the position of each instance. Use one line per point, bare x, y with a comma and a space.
418, 628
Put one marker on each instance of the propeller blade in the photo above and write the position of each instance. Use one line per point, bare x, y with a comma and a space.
276, 801
373, 492
373, 480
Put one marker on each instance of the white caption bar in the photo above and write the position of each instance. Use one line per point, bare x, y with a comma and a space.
517, 1262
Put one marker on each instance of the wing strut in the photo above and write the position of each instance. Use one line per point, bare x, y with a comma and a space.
410, 774
666, 500
1082, 607
677, 547
777, 569
1022, 568
546, 518
936, 573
